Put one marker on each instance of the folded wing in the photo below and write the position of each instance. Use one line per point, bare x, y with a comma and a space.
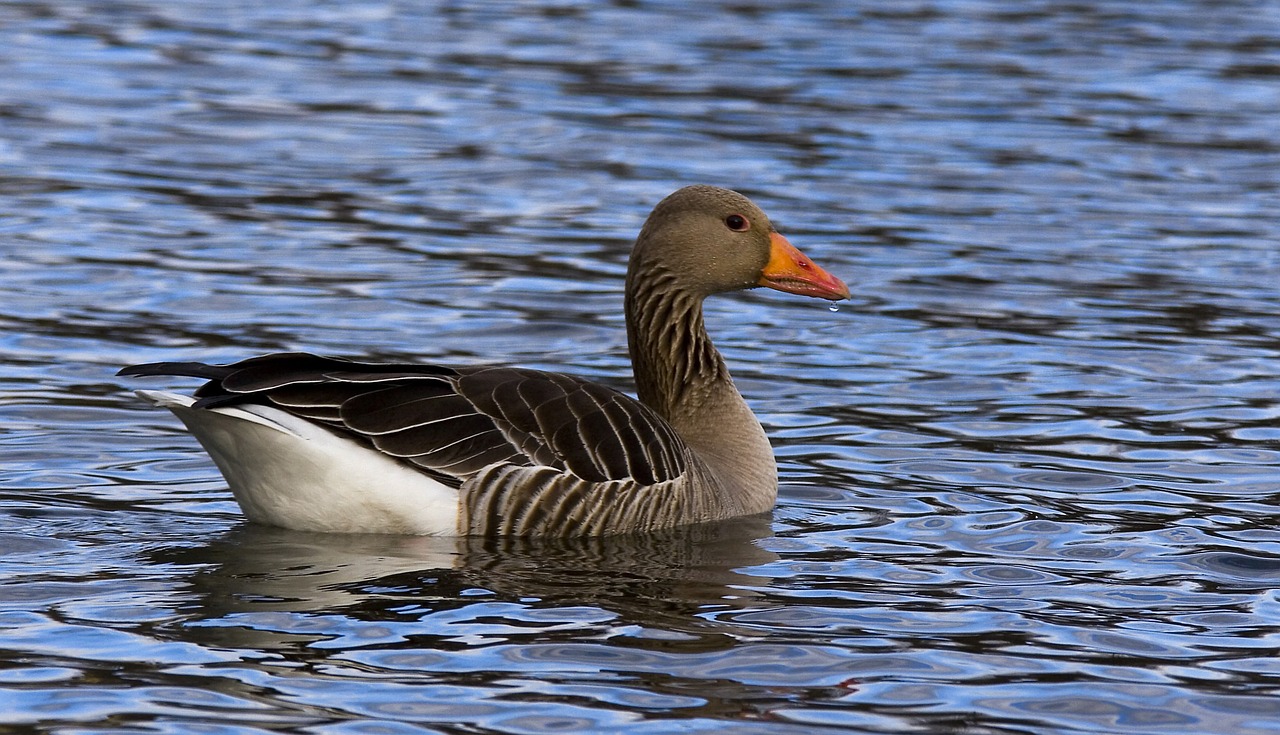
451, 423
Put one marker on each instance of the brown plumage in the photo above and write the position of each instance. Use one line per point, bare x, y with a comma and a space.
523, 452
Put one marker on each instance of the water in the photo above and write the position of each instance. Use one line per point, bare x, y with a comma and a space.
1030, 471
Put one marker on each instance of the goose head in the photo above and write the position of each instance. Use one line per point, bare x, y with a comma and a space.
704, 240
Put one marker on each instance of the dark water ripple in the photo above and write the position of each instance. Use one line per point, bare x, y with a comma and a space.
1030, 470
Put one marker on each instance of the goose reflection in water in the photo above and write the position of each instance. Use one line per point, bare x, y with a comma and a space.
264, 587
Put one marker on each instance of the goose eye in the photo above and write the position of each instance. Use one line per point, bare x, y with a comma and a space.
737, 223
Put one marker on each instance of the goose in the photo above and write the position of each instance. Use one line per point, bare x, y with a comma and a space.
328, 444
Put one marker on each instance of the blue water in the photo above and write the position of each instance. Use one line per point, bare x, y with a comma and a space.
1030, 471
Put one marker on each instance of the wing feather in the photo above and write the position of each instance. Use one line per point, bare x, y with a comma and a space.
454, 422
377, 411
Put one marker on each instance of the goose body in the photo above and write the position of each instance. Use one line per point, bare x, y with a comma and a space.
327, 444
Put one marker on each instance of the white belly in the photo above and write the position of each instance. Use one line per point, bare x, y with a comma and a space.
287, 472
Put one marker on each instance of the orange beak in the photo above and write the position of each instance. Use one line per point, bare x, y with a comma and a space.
791, 271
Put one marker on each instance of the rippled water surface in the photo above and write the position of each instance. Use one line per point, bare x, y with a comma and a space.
1030, 472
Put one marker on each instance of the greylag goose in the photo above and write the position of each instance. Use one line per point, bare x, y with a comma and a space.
327, 444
